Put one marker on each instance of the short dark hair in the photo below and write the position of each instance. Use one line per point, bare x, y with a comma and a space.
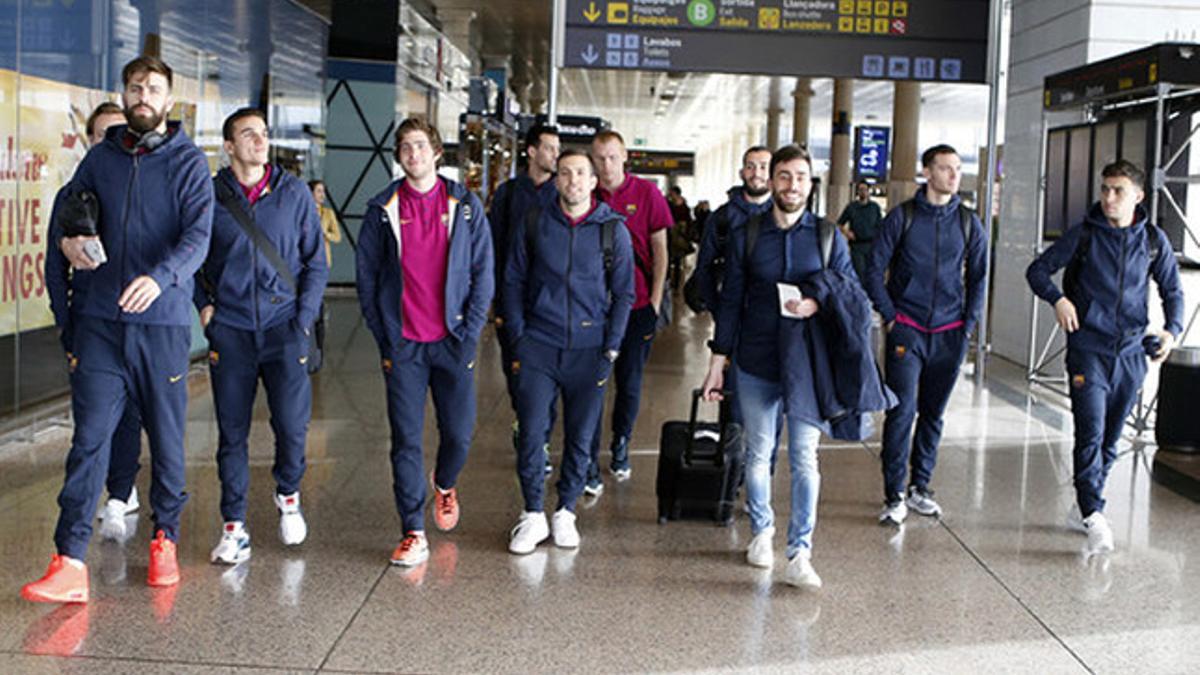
753, 149
862, 182
106, 108
608, 135
1126, 168
929, 155
239, 114
146, 64
677, 190
790, 153
533, 137
418, 124
312, 184
575, 152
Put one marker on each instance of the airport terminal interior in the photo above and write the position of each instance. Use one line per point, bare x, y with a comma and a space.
1036, 96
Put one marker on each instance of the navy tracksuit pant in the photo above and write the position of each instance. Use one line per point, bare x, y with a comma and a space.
580, 375
444, 370
507, 356
123, 364
126, 448
237, 359
921, 369
1103, 390
627, 376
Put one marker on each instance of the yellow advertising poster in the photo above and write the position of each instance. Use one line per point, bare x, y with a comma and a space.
42, 139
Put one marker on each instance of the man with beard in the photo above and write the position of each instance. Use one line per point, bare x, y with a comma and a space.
749, 200
424, 277
66, 291
925, 279
133, 329
512, 204
647, 217
258, 320
567, 295
785, 249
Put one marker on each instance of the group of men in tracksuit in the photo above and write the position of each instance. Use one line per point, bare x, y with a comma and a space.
121, 290
575, 255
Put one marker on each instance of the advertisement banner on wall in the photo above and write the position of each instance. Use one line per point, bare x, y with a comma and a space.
42, 139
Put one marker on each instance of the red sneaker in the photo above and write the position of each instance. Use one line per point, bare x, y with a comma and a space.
445, 507
412, 551
63, 582
164, 570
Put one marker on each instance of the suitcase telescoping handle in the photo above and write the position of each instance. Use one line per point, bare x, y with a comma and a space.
722, 423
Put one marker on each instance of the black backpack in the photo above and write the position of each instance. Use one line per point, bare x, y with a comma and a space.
1070, 280
716, 267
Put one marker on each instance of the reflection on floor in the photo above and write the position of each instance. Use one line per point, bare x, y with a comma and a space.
998, 585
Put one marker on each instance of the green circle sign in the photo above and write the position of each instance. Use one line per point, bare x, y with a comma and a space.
701, 12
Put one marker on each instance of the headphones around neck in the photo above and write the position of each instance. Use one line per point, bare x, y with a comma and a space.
147, 141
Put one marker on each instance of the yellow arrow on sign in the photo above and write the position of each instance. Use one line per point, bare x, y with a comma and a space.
591, 13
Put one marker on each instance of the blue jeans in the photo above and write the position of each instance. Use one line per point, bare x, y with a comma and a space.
761, 402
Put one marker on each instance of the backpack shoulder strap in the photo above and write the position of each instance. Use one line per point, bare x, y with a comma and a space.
826, 231
909, 207
608, 235
964, 218
532, 217
751, 228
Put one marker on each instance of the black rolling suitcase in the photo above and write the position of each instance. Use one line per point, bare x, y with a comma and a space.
700, 467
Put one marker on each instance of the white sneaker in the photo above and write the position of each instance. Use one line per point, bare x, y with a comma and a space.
566, 535
893, 513
234, 546
1099, 534
132, 504
1075, 519
921, 501
800, 573
112, 520
531, 529
292, 528
761, 552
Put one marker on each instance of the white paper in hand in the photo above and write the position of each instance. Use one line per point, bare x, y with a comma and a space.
788, 292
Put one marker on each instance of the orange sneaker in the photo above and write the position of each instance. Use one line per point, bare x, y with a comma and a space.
64, 581
412, 551
164, 570
445, 506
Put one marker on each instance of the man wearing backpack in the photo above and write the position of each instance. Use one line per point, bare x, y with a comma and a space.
647, 217
933, 252
259, 296
514, 200
1102, 307
781, 247
567, 296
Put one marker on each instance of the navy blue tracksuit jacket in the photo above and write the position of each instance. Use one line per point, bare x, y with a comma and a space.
512, 201
934, 243
470, 280
563, 298
1113, 285
730, 217
246, 290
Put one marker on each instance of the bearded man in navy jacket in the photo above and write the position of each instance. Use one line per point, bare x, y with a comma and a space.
132, 332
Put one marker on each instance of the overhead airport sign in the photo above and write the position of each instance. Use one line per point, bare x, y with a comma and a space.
931, 40
1175, 63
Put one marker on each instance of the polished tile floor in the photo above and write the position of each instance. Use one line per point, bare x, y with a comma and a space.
998, 585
